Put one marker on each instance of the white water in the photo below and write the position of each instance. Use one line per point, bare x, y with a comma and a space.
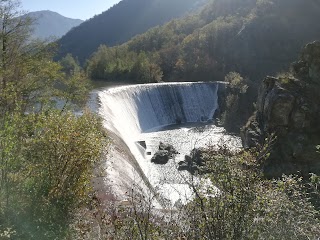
131, 110
140, 113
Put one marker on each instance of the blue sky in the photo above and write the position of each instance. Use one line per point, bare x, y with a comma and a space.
82, 9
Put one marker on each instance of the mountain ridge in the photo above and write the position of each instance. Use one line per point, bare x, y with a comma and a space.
120, 23
49, 24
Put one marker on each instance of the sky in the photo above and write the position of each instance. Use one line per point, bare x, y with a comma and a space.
80, 9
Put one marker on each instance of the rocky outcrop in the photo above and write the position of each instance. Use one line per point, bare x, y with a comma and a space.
161, 157
288, 107
165, 152
168, 147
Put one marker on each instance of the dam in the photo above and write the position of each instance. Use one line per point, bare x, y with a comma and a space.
142, 116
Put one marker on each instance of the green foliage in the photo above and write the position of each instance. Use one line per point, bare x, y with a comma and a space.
236, 82
226, 213
253, 38
112, 28
120, 64
62, 150
46, 167
257, 208
144, 70
46, 154
70, 65
232, 200
238, 95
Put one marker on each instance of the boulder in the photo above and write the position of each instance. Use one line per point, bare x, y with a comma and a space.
168, 147
161, 157
310, 62
165, 152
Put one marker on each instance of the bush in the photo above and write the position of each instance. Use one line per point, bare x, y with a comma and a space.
238, 102
47, 170
239, 204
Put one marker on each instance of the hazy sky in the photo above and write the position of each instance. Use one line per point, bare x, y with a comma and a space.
82, 9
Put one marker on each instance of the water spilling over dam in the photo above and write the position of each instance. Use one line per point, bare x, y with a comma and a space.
177, 113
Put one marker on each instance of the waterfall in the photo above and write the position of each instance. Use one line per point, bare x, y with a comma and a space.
132, 112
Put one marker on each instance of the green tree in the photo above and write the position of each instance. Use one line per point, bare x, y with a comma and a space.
240, 92
69, 65
13, 28
46, 154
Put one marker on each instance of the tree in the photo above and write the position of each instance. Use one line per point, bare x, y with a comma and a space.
240, 92
97, 64
46, 154
13, 31
121, 64
70, 65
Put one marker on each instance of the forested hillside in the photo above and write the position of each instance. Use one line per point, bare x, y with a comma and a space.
121, 22
48, 24
252, 37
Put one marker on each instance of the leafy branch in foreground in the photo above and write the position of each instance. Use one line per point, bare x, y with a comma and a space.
249, 206
239, 204
46, 169
46, 154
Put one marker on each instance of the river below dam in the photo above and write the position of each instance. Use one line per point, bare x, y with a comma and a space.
139, 117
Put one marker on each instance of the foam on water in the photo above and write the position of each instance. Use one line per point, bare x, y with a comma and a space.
140, 112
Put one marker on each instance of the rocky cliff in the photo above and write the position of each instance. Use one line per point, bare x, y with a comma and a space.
288, 108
